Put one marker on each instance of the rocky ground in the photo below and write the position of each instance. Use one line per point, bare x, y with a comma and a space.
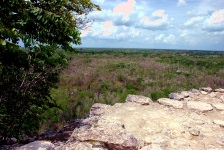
187, 120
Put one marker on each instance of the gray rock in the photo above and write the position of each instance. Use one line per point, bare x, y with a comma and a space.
138, 99
176, 96
172, 103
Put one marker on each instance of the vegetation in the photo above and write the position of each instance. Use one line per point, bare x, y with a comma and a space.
108, 76
27, 75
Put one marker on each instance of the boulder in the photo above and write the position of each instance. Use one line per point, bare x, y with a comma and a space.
138, 99
200, 106
169, 102
111, 137
37, 145
176, 96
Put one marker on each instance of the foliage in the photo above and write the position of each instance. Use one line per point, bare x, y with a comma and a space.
27, 74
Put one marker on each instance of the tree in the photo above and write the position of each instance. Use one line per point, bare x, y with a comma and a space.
46, 28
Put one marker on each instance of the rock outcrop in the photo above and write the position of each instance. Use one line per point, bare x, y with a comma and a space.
187, 120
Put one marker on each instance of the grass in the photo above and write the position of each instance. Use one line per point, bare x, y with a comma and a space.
109, 76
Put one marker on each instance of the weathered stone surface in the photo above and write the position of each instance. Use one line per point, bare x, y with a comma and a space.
200, 106
185, 94
219, 122
219, 106
194, 91
176, 96
169, 102
195, 132
204, 92
219, 90
138, 99
98, 109
75, 146
206, 89
37, 145
152, 147
158, 126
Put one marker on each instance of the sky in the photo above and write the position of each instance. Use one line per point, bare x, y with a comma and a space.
160, 24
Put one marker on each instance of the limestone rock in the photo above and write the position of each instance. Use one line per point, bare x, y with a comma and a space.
109, 132
152, 147
194, 91
195, 132
200, 106
185, 94
176, 96
75, 146
154, 126
37, 145
138, 99
219, 122
98, 109
206, 89
220, 90
219, 106
204, 92
169, 102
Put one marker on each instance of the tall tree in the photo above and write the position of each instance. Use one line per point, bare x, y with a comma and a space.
27, 74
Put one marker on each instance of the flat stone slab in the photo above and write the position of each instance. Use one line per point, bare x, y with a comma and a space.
219, 122
200, 106
219, 90
176, 96
172, 103
37, 145
206, 89
219, 106
138, 99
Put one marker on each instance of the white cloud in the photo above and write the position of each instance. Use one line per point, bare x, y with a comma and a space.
159, 37
193, 21
214, 23
181, 3
146, 26
159, 21
170, 39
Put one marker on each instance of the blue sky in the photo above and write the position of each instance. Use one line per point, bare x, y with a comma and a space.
165, 24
